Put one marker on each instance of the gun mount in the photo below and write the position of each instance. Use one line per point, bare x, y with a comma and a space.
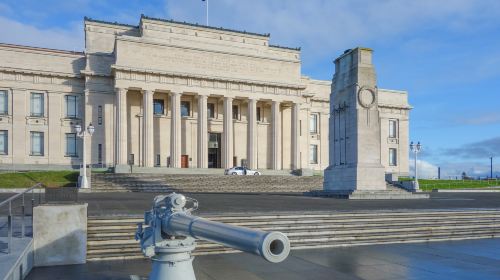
170, 234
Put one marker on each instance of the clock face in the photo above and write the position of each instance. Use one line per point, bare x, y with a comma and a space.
366, 97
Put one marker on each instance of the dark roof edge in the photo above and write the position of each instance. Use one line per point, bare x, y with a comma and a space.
109, 22
286, 48
205, 26
41, 49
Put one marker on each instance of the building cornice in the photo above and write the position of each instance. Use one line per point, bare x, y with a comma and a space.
206, 77
39, 72
142, 40
41, 50
196, 25
391, 106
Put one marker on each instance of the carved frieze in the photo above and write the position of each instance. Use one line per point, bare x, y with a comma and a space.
70, 122
36, 121
5, 119
165, 78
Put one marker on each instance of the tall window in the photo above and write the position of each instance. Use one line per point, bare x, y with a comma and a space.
37, 143
99, 115
71, 145
236, 112
4, 101
4, 142
71, 106
313, 123
393, 157
211, 110
99, 153
185, 109
37, 104
313, 154
259, 115
393, 129
158, 106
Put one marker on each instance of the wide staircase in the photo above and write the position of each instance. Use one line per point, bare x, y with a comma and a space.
113, 237
111, 182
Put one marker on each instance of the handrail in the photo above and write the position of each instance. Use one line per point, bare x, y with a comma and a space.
10, 217
19, 194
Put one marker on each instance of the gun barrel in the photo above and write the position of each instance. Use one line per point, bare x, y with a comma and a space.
272, 246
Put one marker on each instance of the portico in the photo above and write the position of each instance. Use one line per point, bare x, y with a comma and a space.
171, 128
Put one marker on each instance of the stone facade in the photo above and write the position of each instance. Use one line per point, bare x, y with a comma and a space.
170, 94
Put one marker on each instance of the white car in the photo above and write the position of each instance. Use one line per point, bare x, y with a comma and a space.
239, 170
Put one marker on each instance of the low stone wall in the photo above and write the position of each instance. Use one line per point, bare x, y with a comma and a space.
60, 234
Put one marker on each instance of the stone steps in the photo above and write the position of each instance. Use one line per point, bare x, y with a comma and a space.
113, 237
110, 182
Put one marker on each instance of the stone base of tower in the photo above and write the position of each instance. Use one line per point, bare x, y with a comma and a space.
355, 178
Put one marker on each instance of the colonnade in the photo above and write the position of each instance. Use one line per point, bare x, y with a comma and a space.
202, 131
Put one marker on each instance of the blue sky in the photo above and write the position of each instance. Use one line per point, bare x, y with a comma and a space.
446, 53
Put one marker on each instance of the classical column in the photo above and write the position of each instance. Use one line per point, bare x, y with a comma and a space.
147, 135
295, 136
227, 134
175, 131
252, 133
121, 126
276, 135
202, 132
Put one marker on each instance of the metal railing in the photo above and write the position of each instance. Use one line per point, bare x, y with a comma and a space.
10, 216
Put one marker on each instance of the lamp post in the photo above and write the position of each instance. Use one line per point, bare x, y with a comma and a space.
491, 167
83, 134
416, 149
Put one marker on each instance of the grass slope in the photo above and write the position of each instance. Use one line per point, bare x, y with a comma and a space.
47, 178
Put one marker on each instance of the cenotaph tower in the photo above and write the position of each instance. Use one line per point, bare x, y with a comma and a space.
354, 127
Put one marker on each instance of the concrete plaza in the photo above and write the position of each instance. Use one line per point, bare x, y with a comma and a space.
470, 259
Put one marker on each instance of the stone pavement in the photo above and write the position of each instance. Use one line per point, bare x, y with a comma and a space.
471, 259
214, 203
137, 203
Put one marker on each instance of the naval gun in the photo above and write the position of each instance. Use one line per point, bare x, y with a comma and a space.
170, 230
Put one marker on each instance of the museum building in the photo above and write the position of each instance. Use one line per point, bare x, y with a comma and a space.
167, 94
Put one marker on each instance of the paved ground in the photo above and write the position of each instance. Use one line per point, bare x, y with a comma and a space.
137, 203
475, 259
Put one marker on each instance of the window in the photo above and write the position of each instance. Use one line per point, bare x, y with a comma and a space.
393, 128
185, 109
71, 106
99, 153
159, 106
158, 160
99, 115
259, 116
313, 154
211, 110
313, 123
4, 142
37, 143
236, 112
393, 157
4, 101
71, 145
37, 104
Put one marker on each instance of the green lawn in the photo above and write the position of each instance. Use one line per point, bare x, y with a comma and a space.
428, 184
47, 178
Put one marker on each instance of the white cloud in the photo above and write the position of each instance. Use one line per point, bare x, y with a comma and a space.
323, 27
426, 170
480, 118
14, 32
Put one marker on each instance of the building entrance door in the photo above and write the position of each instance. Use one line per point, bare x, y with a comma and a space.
184, 161
214, 157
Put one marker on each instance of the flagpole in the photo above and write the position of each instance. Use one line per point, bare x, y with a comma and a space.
207, 11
